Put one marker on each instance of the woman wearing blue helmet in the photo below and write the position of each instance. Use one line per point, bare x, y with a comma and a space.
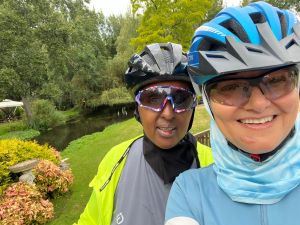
246, 63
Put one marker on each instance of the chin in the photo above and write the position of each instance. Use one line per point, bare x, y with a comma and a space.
259, 148
166, 146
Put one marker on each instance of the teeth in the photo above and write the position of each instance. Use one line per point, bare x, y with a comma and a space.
261, 120
166, 128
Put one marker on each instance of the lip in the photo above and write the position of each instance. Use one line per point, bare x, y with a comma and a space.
258, 123
166, 131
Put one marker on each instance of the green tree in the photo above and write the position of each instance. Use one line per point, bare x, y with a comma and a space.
169, 20
282, 4
114, 69
51, 45
110, 31
23, 58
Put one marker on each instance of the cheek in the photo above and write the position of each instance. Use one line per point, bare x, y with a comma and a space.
290, 103
183, 120
222, 113
145, 117
224, 117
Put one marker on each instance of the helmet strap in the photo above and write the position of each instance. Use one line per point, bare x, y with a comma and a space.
136, 113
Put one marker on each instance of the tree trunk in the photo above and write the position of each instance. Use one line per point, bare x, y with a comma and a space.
27, 110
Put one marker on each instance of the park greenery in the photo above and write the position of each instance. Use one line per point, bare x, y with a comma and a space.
60, 58
64, 52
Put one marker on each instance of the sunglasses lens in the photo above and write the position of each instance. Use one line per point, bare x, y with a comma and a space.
230, 92
155, 98
279, 83
152, 98
236, 92
183, 100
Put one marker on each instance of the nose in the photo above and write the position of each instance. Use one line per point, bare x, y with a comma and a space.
168, 111
257, 101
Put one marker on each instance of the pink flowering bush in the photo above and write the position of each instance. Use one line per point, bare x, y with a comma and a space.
22, 204
51, 180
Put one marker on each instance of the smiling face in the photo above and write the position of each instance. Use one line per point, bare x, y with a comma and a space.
166, 128
259, 125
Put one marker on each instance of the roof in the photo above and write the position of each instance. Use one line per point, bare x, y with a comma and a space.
7, 103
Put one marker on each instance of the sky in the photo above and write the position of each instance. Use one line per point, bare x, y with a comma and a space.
116, 7
109, 7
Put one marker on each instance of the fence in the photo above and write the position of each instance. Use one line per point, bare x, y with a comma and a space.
203, 137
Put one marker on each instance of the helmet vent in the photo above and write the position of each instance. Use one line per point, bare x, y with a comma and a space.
167, 56
215, 56
209, 44
148, 59
290, 44
283, 24
257, 17
234, 27
254, 50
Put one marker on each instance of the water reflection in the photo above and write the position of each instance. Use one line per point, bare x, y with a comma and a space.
59, 137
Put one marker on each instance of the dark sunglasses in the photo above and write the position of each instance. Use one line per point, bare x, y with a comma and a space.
237, 91
156, 97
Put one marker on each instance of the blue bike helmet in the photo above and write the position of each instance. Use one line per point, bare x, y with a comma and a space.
157, 62
256, 37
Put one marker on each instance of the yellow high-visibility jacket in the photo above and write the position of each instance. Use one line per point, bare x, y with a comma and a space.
99, 208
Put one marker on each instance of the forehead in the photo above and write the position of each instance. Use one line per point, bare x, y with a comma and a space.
180, 84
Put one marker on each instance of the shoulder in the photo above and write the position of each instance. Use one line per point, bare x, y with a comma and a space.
111, 159
195, 178
116, 152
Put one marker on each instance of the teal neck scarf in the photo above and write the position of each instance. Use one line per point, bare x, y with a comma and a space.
245, 180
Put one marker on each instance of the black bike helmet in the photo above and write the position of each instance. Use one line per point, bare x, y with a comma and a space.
255, 37
157, 62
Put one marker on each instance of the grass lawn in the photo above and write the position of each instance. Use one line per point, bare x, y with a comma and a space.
85, 155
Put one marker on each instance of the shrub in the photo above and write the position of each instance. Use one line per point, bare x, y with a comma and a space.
51, 180
114, 96
44, 115
21, 134
12, 126
22, 204
2, 116
15, 151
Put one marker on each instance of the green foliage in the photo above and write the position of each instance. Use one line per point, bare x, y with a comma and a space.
169, 21
15, 151
282, 4
51, 180
12, 126
51, 49
52, 92
44, 115
2, 115
22, 135
110, 31
115, 96
23, 61
23, 204
113, 73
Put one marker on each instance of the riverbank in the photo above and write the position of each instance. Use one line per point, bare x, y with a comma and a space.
85, 155
19, 130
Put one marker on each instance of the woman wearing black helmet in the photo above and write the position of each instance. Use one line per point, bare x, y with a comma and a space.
135, 177
247, 63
